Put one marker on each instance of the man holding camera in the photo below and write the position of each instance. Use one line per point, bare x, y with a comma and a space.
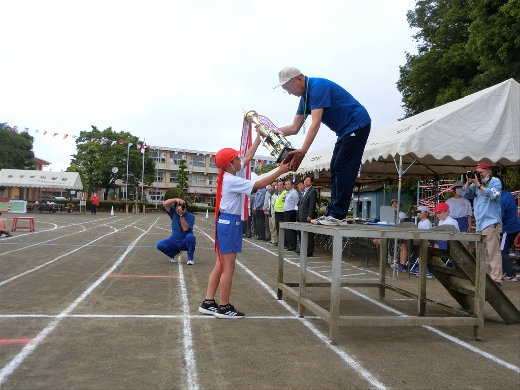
182, 238
485, 189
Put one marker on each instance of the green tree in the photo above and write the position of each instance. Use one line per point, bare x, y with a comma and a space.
182, 176
495, 40
174, 192
264, 168
16, 149
463, 47
443, 68
98, 152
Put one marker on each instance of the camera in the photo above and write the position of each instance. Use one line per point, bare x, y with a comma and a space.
473, 174
183, 205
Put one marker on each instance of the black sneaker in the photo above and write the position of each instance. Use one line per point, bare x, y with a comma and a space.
228, 311
210, 308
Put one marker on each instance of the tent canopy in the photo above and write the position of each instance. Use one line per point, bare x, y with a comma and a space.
450, 139
40, 179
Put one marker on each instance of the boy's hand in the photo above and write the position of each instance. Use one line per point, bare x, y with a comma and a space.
284, 167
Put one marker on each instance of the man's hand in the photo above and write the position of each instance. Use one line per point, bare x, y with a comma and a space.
474, 180
294, 159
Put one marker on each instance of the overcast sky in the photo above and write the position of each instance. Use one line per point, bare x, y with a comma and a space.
179, 73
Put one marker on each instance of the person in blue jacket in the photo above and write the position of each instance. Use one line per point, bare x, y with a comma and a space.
510, 229
485, 191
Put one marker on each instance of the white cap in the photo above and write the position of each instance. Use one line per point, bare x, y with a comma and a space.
423, 209
287, 74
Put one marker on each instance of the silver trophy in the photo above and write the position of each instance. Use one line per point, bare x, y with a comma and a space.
276, 143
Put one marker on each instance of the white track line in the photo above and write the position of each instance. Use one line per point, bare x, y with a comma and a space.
189, 355
9, 368
54, 239
356, 366
146, 316
64, 255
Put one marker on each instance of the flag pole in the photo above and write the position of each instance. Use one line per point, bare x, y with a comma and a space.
142, 174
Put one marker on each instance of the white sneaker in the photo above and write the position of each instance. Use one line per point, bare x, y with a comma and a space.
346, 221
177, 258
189, 262
328, 221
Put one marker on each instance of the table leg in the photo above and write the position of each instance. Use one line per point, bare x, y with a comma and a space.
383, 254
280, 259
423, 265
303, 271
480, 287
335, 287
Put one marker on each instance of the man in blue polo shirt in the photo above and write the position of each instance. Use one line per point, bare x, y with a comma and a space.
332, 105
182, 238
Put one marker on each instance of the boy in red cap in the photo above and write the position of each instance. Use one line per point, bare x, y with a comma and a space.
443, 213
231, 189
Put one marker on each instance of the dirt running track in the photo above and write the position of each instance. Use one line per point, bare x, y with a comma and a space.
87, 302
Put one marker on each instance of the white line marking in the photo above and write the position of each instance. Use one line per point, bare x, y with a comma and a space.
342, 354
64, 255
145, 316
53, 239
189, 355
9, 368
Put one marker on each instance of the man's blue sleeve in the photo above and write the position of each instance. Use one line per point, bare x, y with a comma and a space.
190, 219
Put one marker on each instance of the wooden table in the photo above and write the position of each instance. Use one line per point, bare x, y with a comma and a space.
298, 291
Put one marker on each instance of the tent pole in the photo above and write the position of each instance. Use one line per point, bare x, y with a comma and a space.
399, 185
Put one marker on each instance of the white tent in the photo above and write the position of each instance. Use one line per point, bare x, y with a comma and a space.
450, 139
40, 179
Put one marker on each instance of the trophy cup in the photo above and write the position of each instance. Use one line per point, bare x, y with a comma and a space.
276, 143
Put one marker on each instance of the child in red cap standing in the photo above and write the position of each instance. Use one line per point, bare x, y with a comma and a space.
231, 187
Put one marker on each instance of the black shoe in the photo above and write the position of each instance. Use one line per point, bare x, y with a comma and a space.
310, 255
297, 251
291, 249
229, 312
210, 308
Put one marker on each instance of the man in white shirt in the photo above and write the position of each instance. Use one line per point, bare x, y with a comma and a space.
289, 208
460, 208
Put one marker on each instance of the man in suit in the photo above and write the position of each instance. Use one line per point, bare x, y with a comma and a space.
307, 210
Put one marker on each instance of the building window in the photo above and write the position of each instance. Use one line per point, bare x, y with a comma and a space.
198, 161
158, 156
197, 179
156, 196
176, 158
160, 177
212, 180
173, 178
212, 162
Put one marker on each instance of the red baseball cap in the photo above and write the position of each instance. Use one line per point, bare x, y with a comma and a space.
225, 156
482, 166
443, 206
